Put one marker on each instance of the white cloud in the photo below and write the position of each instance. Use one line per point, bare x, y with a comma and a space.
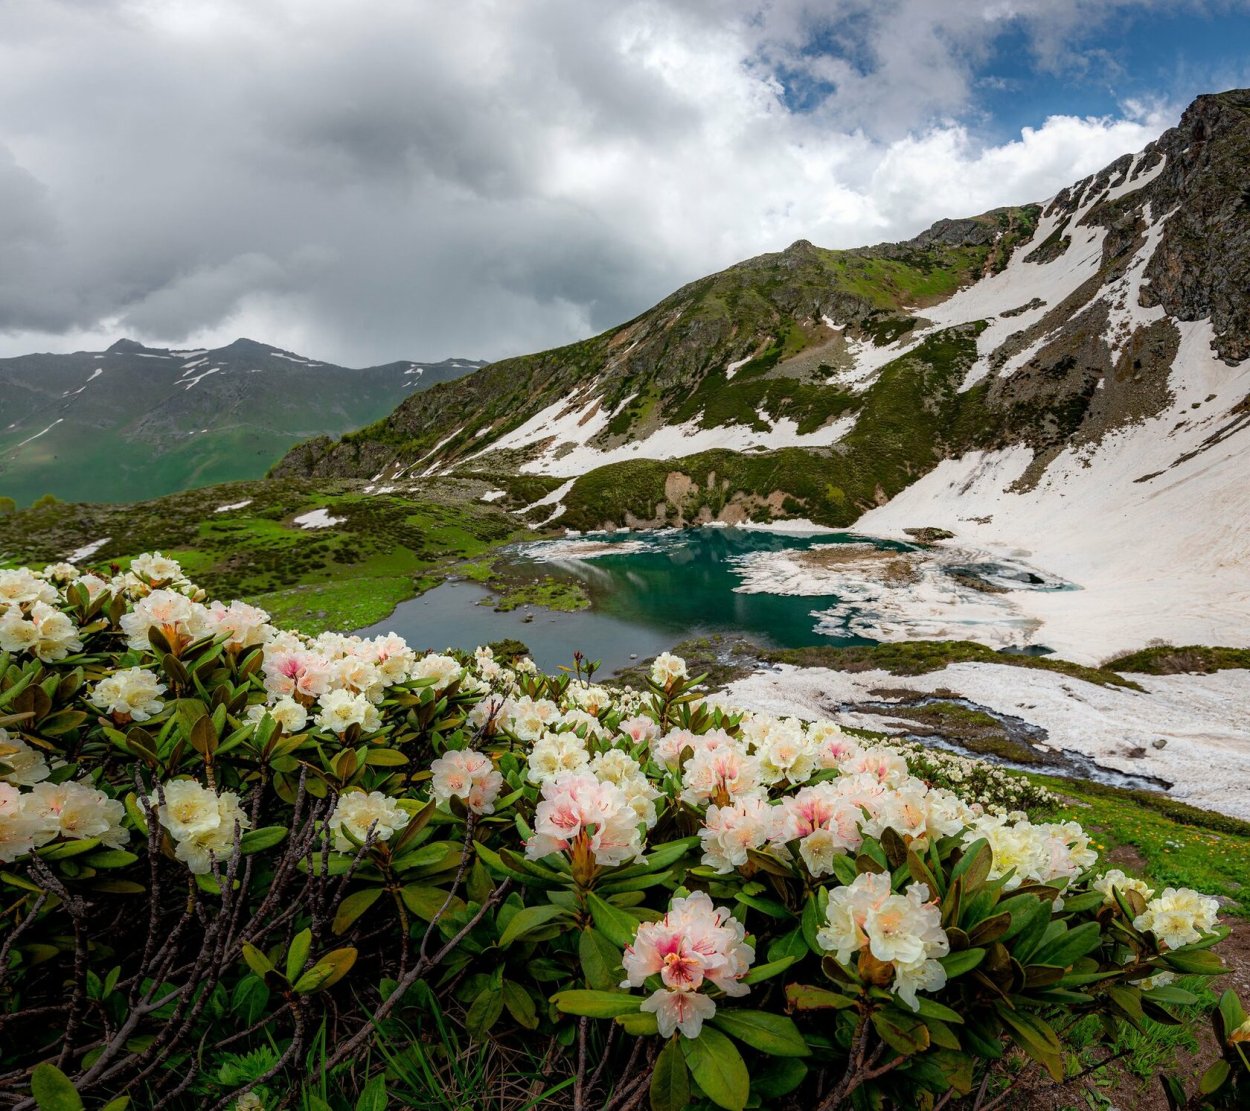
398, 179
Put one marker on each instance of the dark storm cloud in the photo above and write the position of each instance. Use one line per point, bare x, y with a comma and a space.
373, 181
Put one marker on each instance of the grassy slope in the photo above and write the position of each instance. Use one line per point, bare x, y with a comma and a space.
767, 309
383, 550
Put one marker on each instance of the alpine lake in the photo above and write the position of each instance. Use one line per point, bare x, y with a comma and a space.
647, 590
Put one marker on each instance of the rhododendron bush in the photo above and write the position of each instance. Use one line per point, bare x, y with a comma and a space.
220, 838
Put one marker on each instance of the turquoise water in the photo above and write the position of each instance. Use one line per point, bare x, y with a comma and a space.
660, 589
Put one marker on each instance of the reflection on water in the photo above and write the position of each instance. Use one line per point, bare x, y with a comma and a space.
658, 589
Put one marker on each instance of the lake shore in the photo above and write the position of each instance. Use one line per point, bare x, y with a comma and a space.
1203, 720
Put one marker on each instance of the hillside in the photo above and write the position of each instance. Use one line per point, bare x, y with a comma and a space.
1064, 380
136, 422
809, 348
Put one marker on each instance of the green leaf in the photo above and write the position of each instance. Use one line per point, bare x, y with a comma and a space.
804, 997
596, 1004
1068, 948
775, 1035
956, 964
111, 858
528, 920
484, 1012
329, 970
1170, 993
1201, 962
717, 1068
353, 907
520, 1004
256, 960
774, 1079
1213, 1079
256, 840
297, 954
425, 902
670, 1081
121, 1103
767, 971
1036, 1038
373, 1097
617, 926
600, 960
641, 1024
905, 1034
792, 944
53, 1090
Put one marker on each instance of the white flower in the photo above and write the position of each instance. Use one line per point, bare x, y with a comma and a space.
467, 775
589, 819
76, 811
133, 691
615, 766
679, 1010
555, 753
666, 669
1180, 916
356, 813
242, 625
17, 828
189, 809
341, 709
177, 618
19, 763
1116, 878
46, 633
904, 930
729, 831
288, 713
155, 569
442, 669
720, 775
21, 586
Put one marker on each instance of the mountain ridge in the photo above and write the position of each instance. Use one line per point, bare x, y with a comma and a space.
133, 421
796, 349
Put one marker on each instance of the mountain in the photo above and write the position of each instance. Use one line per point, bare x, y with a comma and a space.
1066, 381
136, 422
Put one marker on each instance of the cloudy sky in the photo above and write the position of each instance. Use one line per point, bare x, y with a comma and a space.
368, 180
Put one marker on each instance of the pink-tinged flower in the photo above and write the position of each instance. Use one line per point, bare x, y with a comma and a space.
591, 820
679, 1010
667, 749
304, 676
639, 729
730, 831
242, 625
467, 775
179, 619
720, 775
693, 943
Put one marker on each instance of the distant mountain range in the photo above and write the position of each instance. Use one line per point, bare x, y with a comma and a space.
135, 422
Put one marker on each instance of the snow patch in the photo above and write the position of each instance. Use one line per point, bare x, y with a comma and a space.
87, 550
493, 495
38, 434
233, 505
317, 518
1203, 718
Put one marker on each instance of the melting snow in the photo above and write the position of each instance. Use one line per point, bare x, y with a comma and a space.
493, 495
317, 518
189, 382
38, 434
233, 505
1202, 717
87, 550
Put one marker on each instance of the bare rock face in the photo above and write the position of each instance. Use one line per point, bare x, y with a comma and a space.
1202, 266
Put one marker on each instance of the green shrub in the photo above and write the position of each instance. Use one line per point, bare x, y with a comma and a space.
241, 867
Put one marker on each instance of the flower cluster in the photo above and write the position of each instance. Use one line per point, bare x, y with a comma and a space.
589, 818
468, 776
1180, 916
1050, 853
902, 933
694, 945
359, 815
131, 694
71, 810
202, 823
